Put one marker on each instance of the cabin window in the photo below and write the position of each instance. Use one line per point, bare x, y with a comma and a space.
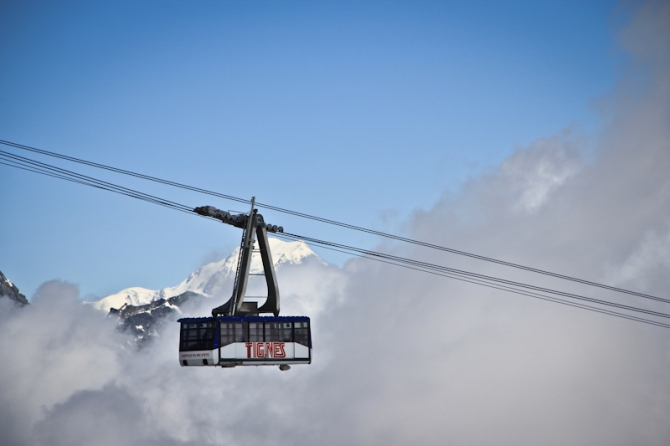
232, 332
302, 333
227, 333
240, 332
286, 332
197, 336
255, 332
272, 331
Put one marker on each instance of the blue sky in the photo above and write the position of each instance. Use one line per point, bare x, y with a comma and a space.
357, 111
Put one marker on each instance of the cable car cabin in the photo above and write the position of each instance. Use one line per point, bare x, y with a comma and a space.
236, 334
229, 341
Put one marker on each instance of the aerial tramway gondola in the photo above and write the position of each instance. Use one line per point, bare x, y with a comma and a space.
236, 334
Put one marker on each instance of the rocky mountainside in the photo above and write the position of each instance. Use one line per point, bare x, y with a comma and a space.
143, 321
8, 289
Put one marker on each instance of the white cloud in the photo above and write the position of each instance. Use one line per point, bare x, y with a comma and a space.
535, 172
402, 357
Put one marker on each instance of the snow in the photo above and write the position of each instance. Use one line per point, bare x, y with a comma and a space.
131, 296
210, 278
11, 285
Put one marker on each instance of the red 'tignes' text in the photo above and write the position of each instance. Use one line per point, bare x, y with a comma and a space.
265, 350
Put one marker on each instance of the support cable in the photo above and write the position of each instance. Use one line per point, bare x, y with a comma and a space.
522, 292
64, 174
443, 269
337, 223
23, 163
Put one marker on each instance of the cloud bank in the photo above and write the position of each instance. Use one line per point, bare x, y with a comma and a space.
403, 357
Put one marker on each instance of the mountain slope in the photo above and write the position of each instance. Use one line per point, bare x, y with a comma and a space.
143, 321
8, 289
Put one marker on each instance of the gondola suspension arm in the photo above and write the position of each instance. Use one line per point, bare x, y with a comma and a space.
254, 226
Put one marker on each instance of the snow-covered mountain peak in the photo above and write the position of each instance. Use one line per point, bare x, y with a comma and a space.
130, 296
288, 252
212, 279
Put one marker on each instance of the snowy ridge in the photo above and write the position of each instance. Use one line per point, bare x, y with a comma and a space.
210, 278
132, 296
